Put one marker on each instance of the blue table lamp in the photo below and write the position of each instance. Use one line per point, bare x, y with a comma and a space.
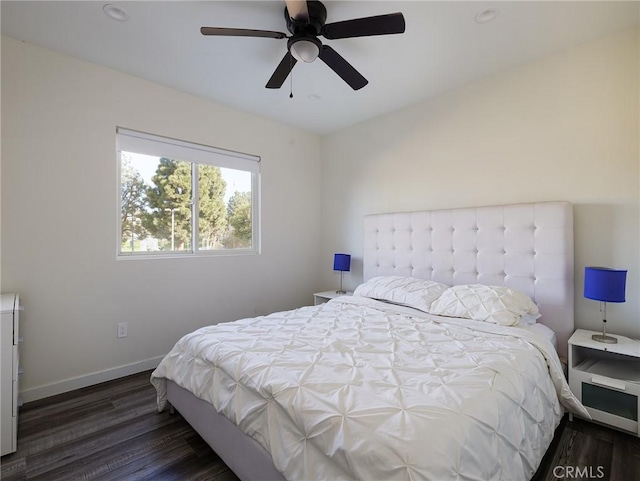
342, 263
604, 285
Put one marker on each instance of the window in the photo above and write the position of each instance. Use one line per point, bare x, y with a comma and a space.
164, 184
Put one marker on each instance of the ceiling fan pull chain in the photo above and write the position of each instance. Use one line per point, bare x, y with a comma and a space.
290, 76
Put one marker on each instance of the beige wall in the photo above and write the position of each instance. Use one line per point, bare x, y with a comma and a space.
564, 128
59, 211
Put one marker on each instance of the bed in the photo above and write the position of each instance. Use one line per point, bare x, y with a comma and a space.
375, 387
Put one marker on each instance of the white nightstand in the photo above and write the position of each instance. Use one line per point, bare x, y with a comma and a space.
606, 379
322, 297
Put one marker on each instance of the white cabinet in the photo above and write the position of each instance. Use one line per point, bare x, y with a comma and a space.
9, 339
322, 297
606, 379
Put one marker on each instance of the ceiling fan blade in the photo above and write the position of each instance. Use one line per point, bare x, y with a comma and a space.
241, 32
298, 11
282, 71
365, 27
343, 68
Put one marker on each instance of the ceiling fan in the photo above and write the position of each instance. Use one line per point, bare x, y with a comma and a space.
306, 21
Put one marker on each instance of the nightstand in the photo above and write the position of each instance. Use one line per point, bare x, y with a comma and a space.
322, 297
606, 379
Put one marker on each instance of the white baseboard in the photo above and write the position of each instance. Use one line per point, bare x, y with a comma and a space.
88, 380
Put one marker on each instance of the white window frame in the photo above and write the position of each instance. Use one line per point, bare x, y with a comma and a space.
144, 143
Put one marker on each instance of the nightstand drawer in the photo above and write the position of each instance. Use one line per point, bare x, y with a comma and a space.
613, 420
610, 401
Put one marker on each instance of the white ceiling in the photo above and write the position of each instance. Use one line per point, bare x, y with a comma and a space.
442, 48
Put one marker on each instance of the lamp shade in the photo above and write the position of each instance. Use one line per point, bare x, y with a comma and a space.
604, 284
341, 262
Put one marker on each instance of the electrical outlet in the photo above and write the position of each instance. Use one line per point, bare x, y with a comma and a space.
122, 329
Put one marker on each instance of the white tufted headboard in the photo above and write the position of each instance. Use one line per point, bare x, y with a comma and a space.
528, 247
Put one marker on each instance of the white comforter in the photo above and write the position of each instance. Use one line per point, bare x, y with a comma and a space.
359, 389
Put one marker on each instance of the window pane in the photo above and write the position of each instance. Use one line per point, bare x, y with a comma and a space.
132, 201
224, 208
166, 183
156, 204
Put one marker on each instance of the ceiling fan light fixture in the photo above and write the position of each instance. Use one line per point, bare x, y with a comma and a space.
305, 49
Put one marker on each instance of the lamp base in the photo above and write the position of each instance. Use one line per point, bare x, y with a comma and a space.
341, 292
604, 338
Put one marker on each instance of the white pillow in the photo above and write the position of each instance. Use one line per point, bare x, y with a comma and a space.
406, 291
498, 305
529, 319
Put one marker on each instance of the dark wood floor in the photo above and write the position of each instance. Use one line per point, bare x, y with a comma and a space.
113, 431
582, 450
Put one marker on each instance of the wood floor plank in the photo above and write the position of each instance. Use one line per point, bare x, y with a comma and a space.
14, 470
90, 446
193, 468
78, 428
113, 432
146, 462
626, 459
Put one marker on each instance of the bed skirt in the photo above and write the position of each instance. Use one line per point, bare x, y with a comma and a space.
244, 456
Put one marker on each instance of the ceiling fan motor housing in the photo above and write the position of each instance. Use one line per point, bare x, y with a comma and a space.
317, 19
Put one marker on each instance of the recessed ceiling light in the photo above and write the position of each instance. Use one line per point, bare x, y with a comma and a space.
485, 16
115, 13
